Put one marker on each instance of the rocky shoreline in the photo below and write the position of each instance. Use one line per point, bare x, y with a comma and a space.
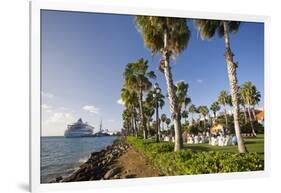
101, 165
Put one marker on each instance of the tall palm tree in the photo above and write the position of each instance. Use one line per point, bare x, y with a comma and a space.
255, 101
163, 119
181, 94
185, 115
156, 100
168, 122
130, 100
207, 29
149, 111
168, 36
192, 109
183, 100
222, 99
127, 121
250, 96
242, 103
203, 110
137, 78
215, 107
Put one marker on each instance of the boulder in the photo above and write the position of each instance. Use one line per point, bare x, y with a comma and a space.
112, 172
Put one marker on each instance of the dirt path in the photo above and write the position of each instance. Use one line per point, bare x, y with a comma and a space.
134, 165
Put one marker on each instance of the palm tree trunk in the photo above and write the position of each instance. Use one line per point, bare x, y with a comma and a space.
204, 122
157, 124
251, 122
225, 117
142, 116
148, 127
231, 69
133, 129
245, 115
136, 127
254, 113
172, 96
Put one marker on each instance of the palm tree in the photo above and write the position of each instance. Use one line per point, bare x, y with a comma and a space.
137, 79
181, 94
215, 107
149, 111
192, 109
222, 99
185, 115
156, 100
168, 121
168, 36
242, 103
255, 101
250, 96
130, 100
163, 119
203, 110
207, 29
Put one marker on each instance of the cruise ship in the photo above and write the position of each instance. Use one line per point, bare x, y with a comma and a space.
79, 129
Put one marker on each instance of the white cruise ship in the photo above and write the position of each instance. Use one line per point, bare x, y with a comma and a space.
79, 129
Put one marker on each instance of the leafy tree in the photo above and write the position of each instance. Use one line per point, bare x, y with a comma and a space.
250, 96
163, 119
185, 115
192, 109
215, 107
168, 121
222, 99
169, 37
207, 30
204, 111
156, 100
130, 100
137, 78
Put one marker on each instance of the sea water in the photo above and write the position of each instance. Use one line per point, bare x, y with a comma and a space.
61, 156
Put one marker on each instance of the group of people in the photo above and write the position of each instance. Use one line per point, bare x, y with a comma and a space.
214, 139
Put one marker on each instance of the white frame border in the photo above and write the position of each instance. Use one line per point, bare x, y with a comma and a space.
35, 92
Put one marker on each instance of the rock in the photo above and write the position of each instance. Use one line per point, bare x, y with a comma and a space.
117, 176
58, 179
112, 173
130, 176
101, 165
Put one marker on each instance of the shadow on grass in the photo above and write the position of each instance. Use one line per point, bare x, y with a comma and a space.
251, 142
197, 148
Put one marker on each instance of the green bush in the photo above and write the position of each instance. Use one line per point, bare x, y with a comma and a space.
186, 162
246, 128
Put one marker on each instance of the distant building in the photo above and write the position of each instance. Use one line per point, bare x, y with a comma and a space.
260, 117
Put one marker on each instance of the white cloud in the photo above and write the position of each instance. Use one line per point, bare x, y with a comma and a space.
199, 81
45, 106
55, 123
60, 117
47, 94
120, 102
91, 109
111, 120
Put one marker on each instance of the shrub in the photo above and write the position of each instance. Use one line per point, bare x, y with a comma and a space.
186, 162
246, 128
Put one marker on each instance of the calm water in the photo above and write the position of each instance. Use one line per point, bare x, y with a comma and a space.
61, 156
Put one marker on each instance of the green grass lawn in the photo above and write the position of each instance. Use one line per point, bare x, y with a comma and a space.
255, 144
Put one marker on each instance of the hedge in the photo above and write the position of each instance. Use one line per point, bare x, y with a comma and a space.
186, 162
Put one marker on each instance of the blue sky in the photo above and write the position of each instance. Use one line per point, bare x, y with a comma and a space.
84, 55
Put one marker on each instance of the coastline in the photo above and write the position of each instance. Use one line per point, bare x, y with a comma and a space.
100, 165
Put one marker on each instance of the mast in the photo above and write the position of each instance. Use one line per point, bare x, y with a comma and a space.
101, 125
